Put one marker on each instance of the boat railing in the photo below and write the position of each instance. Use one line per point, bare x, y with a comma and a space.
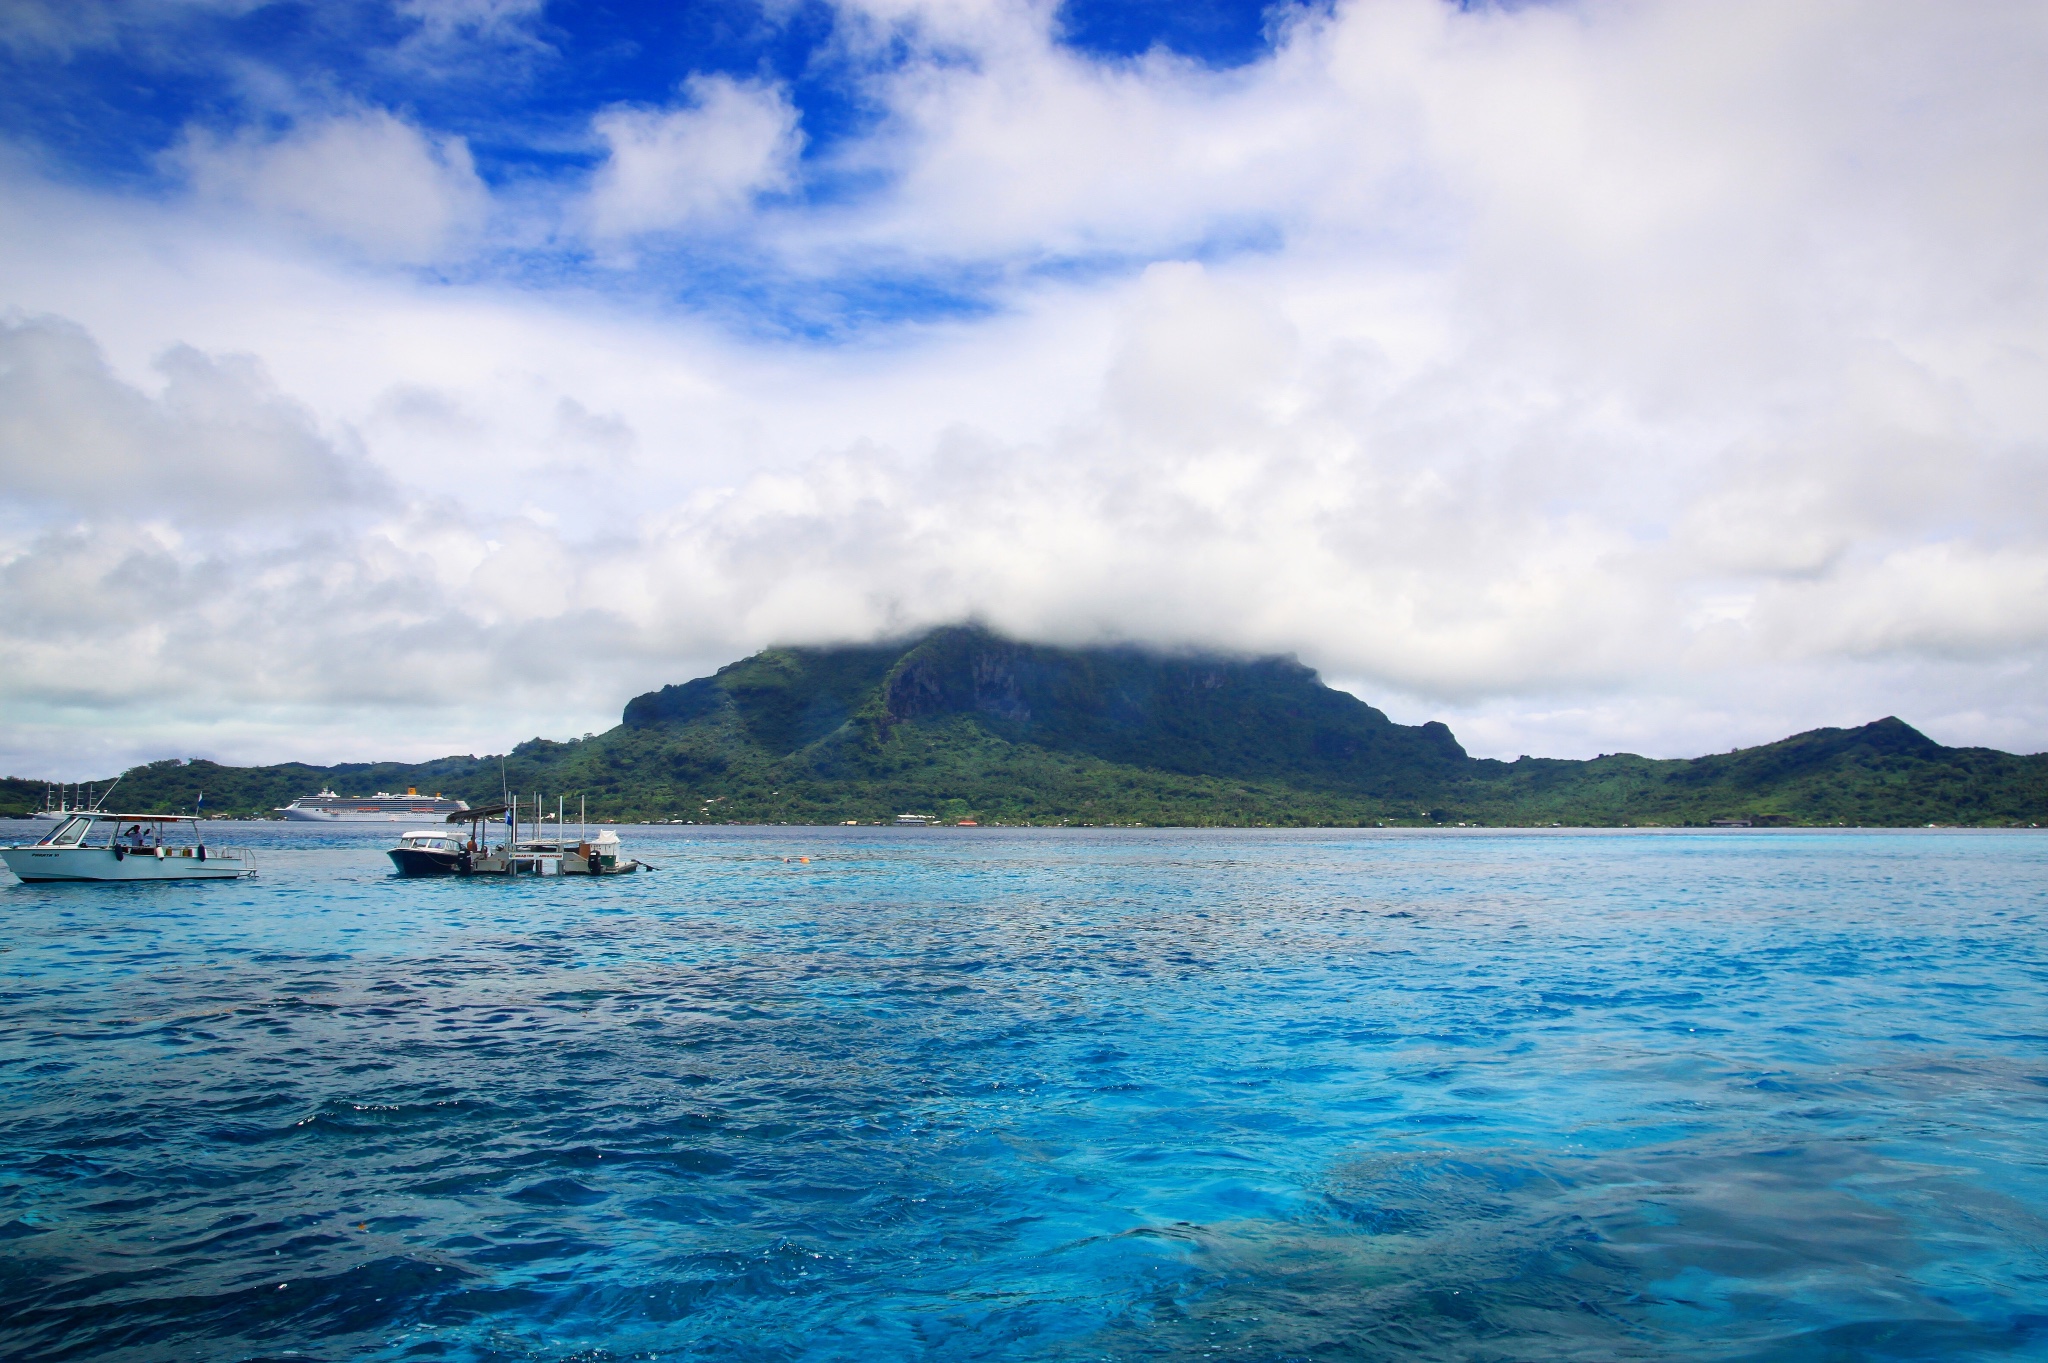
234, 852
189, 852
201, 851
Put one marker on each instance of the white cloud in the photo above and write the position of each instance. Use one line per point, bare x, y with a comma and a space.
1620, 375
217, 445
448, 19
366, 178
670, 169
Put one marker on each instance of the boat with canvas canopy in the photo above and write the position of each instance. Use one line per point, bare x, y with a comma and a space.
105, 847
446, 852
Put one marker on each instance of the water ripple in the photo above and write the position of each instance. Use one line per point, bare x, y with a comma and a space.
990, 1095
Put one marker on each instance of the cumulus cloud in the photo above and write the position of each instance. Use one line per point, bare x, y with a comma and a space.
217, 445
366, 178
704, 162
1596, 376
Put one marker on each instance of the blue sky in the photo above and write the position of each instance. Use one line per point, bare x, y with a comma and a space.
114, 84
113, 90
1594, 375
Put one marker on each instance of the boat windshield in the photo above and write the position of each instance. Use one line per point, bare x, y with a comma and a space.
69, 833
133, 832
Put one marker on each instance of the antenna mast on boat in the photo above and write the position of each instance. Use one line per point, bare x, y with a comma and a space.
109, 791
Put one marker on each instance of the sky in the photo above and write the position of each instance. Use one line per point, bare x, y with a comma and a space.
394, 378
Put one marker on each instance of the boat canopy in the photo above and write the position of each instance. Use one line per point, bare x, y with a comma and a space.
143, 818
475, 815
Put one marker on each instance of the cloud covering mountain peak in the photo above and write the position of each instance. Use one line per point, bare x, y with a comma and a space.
1597, 375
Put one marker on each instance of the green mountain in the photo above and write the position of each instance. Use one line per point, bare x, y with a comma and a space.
963, 723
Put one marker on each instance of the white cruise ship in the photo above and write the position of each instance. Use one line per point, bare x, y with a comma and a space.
411, 807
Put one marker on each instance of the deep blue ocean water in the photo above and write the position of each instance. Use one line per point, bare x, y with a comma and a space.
957, 1094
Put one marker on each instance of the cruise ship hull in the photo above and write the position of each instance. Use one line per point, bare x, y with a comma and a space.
357, 816
371, 811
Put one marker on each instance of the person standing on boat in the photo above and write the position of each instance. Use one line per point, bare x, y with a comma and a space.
136, 837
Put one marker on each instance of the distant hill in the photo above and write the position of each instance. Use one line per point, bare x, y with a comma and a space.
963, 723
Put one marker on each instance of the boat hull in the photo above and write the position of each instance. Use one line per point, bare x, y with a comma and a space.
407, 815
596, 865
415, 861
46, 865
419, 861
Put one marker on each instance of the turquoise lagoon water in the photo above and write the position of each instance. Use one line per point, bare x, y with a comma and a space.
956, 1094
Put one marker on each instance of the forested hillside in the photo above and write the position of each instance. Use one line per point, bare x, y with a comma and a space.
962, 723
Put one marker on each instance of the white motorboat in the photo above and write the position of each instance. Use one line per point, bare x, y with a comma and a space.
96, 846
598, 856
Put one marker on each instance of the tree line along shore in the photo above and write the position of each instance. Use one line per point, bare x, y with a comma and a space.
963, 724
